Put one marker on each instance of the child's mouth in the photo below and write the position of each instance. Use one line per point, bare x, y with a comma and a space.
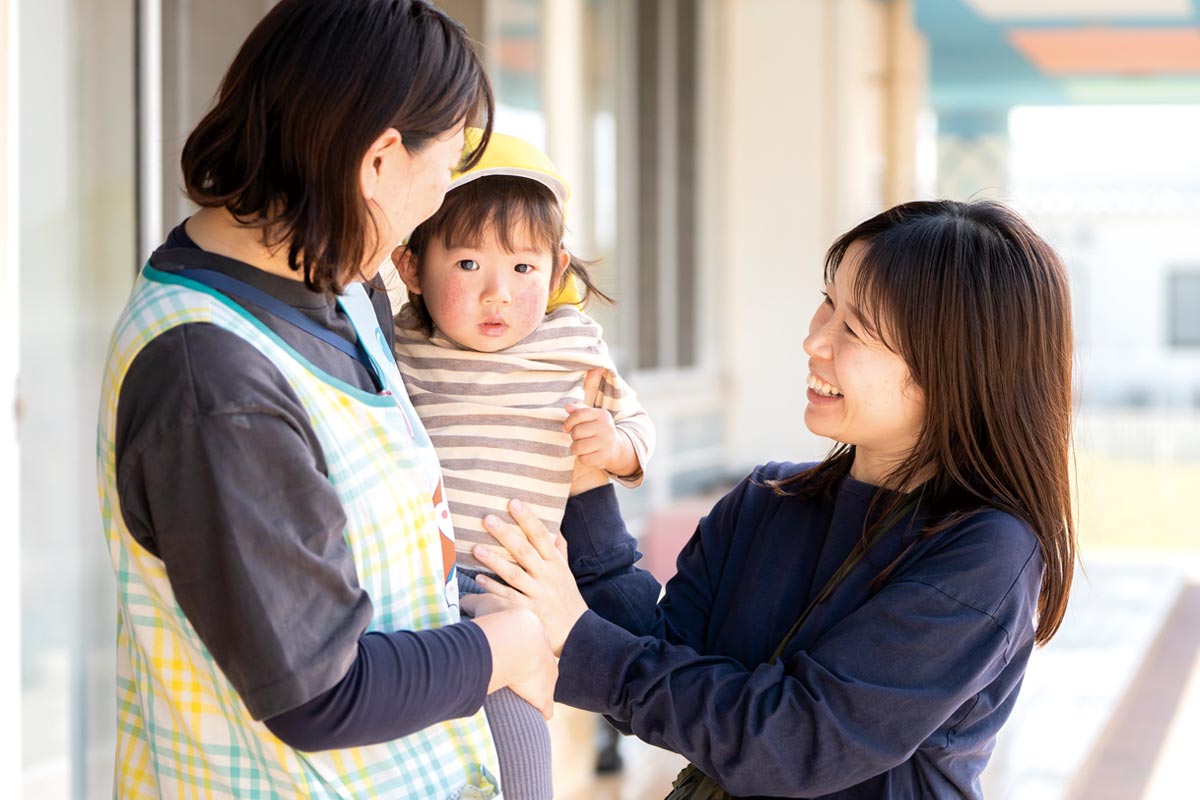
493, 327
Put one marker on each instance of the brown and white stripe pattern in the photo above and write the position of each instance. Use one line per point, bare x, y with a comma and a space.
496, 418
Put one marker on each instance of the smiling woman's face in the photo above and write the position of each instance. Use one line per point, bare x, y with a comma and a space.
859, 391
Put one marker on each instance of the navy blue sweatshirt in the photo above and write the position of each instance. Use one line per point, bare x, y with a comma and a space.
890, 693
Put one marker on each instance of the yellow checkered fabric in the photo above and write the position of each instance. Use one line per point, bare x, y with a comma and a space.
182, 729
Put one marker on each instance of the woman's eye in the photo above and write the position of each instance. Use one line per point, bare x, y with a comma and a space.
523, 268
850, 330
828, 301
468, 265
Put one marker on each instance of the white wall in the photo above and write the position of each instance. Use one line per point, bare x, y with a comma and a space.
802, 160
75, 251
1119, 264
10, 606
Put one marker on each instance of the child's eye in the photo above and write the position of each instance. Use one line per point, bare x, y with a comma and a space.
850, 330
828, 300
523, 268
468, 265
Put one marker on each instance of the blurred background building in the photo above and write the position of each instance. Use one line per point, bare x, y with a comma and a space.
715, 148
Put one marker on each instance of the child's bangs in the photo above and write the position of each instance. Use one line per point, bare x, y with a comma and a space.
520, 213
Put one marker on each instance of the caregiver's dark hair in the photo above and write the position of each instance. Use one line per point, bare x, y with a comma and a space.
315, 83
978, 306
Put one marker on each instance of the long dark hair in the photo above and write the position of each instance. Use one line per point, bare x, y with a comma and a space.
314, 84
978, 306
502, 205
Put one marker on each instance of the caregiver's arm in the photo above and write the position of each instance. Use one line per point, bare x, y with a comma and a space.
363, 707
857, 703
225, 481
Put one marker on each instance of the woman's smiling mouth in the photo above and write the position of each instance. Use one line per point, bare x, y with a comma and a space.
822, 388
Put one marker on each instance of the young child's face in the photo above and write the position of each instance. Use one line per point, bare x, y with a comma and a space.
484, 297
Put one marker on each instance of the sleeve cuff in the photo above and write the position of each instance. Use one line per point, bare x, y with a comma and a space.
597, 539
634, 480
478, 670
589, 663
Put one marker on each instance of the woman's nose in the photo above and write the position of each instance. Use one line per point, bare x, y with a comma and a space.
817, 344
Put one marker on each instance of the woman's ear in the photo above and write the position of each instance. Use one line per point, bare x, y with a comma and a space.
377, 160
406, 265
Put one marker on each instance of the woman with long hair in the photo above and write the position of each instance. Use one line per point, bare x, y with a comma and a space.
859, 627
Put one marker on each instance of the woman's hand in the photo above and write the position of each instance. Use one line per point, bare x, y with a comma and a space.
540, 580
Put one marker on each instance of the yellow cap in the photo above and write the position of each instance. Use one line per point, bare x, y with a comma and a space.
508, 155
569, 293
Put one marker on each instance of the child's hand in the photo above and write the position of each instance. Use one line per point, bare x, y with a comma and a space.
594, 438
583, 477
595, 441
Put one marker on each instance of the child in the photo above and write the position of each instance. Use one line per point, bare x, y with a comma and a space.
493, 346
488, 367
857, 628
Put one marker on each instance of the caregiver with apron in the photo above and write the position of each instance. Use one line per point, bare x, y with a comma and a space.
288, 619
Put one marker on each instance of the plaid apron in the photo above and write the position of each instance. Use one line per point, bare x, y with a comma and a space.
182, 730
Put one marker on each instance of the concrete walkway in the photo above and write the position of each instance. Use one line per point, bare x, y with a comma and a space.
1100, 701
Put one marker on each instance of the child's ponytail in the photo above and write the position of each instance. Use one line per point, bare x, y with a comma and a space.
575, 286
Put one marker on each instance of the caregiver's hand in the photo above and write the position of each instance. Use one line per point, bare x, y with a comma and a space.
540, 580
521, 657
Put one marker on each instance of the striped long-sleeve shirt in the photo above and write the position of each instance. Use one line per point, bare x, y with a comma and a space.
496, 419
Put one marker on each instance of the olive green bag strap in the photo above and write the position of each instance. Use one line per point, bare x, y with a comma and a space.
691, 783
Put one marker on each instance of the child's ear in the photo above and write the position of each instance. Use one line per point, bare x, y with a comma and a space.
406, 264
560, 269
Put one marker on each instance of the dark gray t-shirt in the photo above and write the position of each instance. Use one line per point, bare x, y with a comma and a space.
222, 477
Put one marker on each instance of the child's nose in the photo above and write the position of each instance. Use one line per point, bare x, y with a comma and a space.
496, 291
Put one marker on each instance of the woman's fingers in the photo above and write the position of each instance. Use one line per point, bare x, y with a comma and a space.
514, 539
585, 478
591, 386
512, 574
501, 596
531, 531
541, 580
